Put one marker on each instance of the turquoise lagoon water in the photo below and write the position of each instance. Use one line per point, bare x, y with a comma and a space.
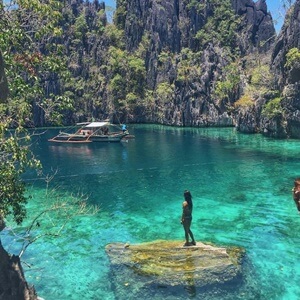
241, 187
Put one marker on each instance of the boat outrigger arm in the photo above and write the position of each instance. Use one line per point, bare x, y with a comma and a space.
89, 132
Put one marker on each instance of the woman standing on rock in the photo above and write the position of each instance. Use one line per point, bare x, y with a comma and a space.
186, 219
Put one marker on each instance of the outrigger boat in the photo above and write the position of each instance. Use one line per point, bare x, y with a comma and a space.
92, 132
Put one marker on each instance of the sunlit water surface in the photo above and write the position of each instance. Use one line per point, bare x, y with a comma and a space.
241, 187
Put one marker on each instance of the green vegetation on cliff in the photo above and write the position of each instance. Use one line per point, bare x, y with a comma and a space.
221, 24
292, 58
143, 67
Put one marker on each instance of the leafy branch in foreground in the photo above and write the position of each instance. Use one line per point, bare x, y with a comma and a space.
15, 159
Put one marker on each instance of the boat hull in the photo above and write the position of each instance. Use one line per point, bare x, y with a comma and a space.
77, 138
100, 132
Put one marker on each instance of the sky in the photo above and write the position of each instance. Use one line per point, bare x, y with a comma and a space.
275, 7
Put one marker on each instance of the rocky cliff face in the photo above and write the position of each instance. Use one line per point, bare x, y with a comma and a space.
257, 28
3, 82
13, 285
193, 54
180, 62
288, 77
288, 38
173, 26
284, 119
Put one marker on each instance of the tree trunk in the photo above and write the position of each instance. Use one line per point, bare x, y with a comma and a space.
13, 285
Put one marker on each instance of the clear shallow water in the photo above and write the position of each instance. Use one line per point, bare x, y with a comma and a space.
241, 187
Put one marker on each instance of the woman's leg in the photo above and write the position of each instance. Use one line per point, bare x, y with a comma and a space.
192, 237
186, 227
191, 234
186, 232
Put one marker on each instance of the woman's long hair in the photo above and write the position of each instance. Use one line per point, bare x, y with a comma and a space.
188, 198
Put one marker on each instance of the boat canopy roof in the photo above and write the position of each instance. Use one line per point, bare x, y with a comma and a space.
97, 124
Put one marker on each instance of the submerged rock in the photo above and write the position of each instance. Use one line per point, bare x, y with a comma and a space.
169, 264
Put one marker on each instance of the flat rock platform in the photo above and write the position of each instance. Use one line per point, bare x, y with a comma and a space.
169, 264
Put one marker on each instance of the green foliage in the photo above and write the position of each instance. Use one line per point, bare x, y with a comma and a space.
189, 66
114, 35
21, 72
131, 99
164, 57
15, 160
148, 101
81, 27
100, 23
26, 67
195, 4
29, 37
143, 46
116, 88
227, 86
260, 79
164, 92
137, 75
120, 14
128, 75
220, 27
42, 20
273, 108
292, 58
260, 76
244, 101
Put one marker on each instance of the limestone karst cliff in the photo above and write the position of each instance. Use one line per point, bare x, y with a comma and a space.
3, 82
197, 53
277, 114
286, 69
181, 63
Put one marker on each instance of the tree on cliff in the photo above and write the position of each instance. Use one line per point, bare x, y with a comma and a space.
27, 32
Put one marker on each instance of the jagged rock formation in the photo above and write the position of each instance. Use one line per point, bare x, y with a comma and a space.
13, 285
289, 37
182, 63
258, 30
84, 48
284, 119
288, 79
184, 60
167, 264
3, 82
173, 26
